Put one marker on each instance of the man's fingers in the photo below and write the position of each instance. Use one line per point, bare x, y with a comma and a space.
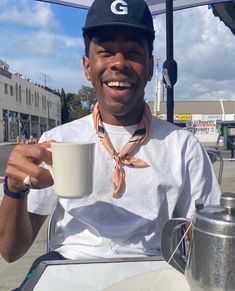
25, 166
16, 178
24, 161
46, 144
36, 153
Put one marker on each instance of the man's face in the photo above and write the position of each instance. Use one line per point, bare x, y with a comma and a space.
119, 67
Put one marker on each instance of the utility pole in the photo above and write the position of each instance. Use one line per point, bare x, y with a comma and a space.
169, 57
157, 95
45, 80
170, 65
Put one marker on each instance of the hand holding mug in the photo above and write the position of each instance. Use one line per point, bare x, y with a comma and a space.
24, 161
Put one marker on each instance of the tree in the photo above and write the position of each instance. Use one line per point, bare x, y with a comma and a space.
64, 107
74, 106
88, 97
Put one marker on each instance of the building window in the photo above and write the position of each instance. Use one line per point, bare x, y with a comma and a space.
27, 96
11, 90
30, 96
58, 107
44, 105
17, 93
6, 88
20, 94
36, 101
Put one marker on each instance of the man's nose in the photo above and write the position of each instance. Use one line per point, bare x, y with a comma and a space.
120, 62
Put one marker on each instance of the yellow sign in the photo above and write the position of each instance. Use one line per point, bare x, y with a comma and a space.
183, 117
161, 116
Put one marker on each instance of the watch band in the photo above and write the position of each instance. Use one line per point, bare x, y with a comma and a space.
16, 195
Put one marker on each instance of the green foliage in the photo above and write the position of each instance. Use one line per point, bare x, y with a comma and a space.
74, 106
64, 108
88, 96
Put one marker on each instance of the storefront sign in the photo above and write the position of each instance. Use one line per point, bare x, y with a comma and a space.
183, 117
186, 117
162, 116
204, 127
213, 117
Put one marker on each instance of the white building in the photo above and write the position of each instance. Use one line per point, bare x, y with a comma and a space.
202, 117
26, 108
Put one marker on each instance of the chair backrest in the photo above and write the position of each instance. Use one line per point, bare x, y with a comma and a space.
215, 156
56, 214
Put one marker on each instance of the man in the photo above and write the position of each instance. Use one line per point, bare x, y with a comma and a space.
146, 170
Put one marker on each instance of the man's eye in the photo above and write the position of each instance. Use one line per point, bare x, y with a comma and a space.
105, 53
134, 53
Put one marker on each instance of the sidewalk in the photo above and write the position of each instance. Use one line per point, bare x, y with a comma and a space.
7, 143
27, 141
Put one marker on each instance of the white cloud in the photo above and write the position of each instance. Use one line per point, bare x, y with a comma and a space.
37, 48
204, 49
46, 43
57, 74
30, 13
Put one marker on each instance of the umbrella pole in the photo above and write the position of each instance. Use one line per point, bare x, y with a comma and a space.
170, 57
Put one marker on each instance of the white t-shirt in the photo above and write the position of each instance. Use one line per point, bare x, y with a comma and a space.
180, 172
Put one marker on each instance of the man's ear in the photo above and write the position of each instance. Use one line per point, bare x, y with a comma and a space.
151, 65
86, 67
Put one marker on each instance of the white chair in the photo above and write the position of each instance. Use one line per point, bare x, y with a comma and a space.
215, 156
56, 215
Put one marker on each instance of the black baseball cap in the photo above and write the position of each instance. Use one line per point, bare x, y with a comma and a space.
125, 13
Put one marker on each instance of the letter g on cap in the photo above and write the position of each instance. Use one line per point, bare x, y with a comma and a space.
119, 7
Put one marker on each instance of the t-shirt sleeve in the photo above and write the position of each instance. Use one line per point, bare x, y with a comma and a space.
42, 201
199, 182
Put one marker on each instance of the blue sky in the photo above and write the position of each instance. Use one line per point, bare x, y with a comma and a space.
43, 42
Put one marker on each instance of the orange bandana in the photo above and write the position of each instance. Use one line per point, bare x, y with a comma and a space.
123, 157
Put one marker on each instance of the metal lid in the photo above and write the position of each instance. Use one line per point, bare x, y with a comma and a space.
227, 200
218, 219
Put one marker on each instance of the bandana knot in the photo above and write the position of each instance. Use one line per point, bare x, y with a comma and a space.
123, 158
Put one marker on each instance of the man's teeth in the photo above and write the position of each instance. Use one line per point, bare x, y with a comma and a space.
119, 84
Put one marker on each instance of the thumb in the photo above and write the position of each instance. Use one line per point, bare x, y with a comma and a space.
46, 144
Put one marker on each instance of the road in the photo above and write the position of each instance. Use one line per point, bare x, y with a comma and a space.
4, 153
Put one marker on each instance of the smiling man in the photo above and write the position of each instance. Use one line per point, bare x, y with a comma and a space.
119, 65
145, 170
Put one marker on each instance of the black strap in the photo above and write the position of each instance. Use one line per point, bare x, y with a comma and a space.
17, 195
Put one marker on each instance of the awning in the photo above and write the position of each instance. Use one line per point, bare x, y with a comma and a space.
226, 13
156, 6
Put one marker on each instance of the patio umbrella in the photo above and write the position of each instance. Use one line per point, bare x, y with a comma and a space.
157, 7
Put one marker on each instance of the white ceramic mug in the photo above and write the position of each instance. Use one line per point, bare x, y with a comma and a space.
72, 168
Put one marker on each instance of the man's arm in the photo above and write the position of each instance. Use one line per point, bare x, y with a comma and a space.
18, 227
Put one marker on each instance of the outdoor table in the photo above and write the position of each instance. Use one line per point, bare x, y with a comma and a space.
132, 274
